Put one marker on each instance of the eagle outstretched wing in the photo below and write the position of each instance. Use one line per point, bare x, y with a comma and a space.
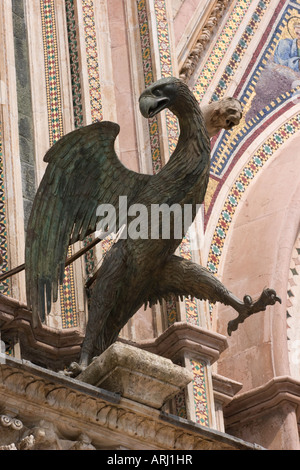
83, 171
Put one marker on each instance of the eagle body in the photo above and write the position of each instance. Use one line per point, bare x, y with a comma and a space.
83, 173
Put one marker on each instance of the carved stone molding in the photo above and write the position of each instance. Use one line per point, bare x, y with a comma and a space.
247, 405
56, 348
204, 38
183, 337
62, 413
269, 414
225, 389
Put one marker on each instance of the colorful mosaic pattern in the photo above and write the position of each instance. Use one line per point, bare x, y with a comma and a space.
74, 64
52, 71
163, 38
67, 295
200, 395
92, 59
224, 40
180, 404
4, 286
240, 49
148, 79
237, 140
166, 68
229, 141
255, 164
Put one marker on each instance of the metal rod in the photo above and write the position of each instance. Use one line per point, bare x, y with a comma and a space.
69, 261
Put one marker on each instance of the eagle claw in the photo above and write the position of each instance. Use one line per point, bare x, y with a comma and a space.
248, 307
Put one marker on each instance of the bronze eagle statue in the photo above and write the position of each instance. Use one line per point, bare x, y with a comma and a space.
84, 172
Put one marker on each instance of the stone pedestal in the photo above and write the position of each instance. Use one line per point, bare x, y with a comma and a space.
139, 375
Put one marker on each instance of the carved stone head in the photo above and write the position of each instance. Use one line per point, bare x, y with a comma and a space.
223, 114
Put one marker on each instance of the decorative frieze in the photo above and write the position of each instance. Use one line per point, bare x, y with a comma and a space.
92, 417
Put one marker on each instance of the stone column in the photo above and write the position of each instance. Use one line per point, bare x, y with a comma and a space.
197, 349
11, 193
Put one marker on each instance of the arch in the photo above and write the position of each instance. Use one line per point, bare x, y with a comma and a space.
257, 254
228, 204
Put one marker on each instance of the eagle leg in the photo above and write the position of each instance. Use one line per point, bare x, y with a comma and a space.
181, 276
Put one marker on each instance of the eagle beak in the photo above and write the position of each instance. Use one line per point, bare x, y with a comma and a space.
151, 105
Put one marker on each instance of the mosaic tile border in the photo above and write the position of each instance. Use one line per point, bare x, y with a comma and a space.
166, 67
163, 36
229, 141
250, 170
74, 64
92, 59
52, 71
148, 79
224, 40
240, 49
55, 122
4, 286
200, 394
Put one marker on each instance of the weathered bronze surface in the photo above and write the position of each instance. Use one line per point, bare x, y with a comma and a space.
83, 171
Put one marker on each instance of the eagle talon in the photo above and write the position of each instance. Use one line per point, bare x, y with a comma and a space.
248, 307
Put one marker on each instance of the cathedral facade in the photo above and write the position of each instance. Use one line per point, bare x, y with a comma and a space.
65, 64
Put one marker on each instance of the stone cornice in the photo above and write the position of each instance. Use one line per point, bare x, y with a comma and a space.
104, 417
54, 346
255, 402
183, 337
225, 389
